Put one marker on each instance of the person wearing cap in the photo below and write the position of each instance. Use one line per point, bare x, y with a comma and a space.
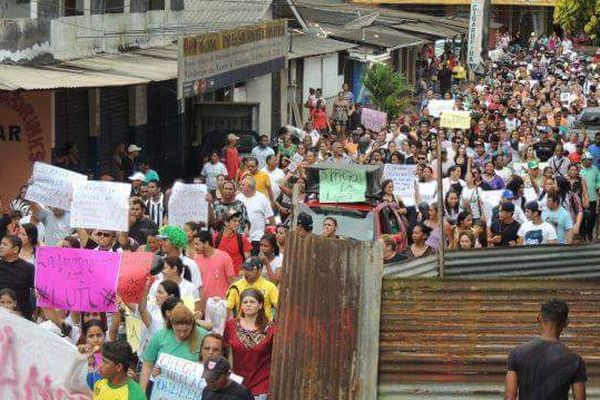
535, 177
137, 180
503, 231
231, 156
117, 358
173, 240
252, 271
591, 175
535, 231
305, 224
219, 385
556, 215
129, 164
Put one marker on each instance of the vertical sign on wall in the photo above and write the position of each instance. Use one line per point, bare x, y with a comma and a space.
475, 34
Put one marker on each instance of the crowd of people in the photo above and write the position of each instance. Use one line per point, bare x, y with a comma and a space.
523, 109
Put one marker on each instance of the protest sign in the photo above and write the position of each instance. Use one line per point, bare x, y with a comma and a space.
296, 160
403, 177
52, 186
373, 119
77, 279
38, 364
133, 326
436, 107
180, 379
342, 185
188, 203
490, 199
428, 192
135, 267
101, 205
530, 194
455, 119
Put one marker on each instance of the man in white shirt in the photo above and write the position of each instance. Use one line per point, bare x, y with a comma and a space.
262, 151
276, 174
212, 169
259, 211
535, 231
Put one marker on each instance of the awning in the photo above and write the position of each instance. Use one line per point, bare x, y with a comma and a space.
306, 46
387, 38
124, 69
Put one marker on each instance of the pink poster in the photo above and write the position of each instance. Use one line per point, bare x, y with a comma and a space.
373, 119
77, 279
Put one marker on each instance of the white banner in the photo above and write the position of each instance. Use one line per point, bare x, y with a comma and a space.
188, 203
490, 199
404, 181
52, 186
38, 364
373, 119
428, 192
436, 107
180, 379
101, 205
475, 36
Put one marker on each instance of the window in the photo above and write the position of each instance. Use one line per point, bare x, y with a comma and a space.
156, 5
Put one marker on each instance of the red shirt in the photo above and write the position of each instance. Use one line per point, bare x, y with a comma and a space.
232, 161
250, 361
230, 246
319, 119
215, 271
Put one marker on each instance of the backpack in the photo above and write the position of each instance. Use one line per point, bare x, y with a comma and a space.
239, 242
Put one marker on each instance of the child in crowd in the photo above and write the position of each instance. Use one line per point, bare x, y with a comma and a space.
93, 334
8, 300
117, 357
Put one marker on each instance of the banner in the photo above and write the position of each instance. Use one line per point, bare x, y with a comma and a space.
135, 267
373, 119
428, 192
133, 327
101, 205
52, 186
456, 119
490, 199
475, 35
342, 185
25, 137
38, 364
404, 181
180, 379
77, 279
436, 107
188, 203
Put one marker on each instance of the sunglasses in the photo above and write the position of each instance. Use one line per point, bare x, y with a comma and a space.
105, 234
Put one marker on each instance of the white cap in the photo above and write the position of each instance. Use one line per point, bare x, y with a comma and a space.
133, 147
138, 176
231, 136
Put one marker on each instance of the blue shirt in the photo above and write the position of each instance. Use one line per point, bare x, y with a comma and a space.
561, 221
595, 150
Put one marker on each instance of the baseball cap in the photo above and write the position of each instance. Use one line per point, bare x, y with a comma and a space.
508, 207
231, 136
138, 176
305, 221
532, 164
252, 263
232, 214
215, 367
533, 206
508, 194
133, 147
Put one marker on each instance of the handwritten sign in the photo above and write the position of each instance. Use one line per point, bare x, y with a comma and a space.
135, 267
428, 192
77, 279
52, 186
436, 107
403, 177
101, 205
38, 364
373, 119
490, 199
342, 185
133, 326
456, 119
296, 160
188, 203
180, 379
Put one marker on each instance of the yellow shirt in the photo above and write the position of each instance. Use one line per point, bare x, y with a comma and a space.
104, 390
267, 288
459, 72
262, 181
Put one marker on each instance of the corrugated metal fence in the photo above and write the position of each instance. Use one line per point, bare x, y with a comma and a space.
326, 345
574, 261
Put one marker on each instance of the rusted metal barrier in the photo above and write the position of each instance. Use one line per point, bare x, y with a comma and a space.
327, 339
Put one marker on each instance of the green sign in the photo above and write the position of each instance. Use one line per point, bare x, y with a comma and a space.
342, 185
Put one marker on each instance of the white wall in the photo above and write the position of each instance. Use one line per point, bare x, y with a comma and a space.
10, 9
259, 90
321, 72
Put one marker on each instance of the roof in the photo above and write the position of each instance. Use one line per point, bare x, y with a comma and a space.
527, 3
378, 36
306, 46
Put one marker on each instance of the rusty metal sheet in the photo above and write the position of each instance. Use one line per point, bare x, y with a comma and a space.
462, 330
328, 322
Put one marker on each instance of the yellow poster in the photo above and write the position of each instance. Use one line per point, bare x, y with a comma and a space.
134, 331
455, 119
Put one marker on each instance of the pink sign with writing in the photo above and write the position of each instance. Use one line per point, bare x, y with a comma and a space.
373, 119
77, 279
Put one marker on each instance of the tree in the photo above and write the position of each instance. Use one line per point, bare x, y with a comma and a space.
388, 89
579, 16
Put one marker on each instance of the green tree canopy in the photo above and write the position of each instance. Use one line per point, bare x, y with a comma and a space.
388, 89
576, 16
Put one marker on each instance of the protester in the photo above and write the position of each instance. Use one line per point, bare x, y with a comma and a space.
259, 209
28, 234
8, 300
252, 270
117, 357
216, 267
535, 231
211, 170
139, 224
218, 383
16, 274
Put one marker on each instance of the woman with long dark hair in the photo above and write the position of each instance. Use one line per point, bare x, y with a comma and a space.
250, 337
28, 233
270, 257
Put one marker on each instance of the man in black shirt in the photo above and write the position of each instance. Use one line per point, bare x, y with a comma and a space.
16, 274
503, 232
544, 368
218, 384
544, 149
140, 224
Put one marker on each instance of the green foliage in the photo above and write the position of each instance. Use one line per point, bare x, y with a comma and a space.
389, 91
576, 16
